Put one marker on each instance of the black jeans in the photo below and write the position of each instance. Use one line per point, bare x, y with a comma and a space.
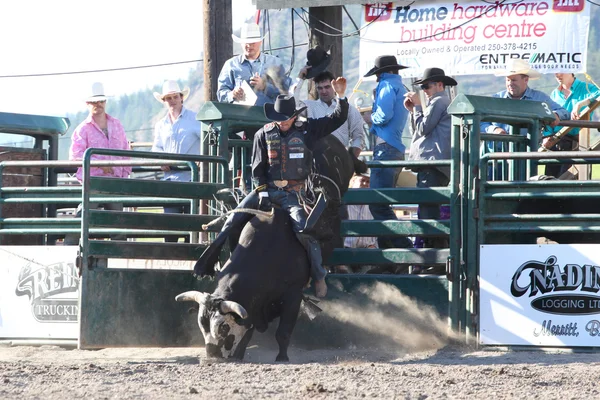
177, 210
431, 177
72, 239
567, 143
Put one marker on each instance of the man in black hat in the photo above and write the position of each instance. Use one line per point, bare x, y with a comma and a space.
431, 133
388, 119
351, 133
282, 161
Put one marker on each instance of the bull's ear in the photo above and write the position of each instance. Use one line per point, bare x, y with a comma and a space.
193, 295
227, 306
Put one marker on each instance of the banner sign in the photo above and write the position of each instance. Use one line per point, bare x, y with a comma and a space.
540, 295
39, 290
477, 37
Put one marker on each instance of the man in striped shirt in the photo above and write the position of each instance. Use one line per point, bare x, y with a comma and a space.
351, 133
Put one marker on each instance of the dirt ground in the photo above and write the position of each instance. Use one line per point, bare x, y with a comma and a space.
51, 372
393, 348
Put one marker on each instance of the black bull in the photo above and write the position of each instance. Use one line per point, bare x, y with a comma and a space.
267, 271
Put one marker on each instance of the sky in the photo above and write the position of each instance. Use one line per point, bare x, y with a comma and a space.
41, 37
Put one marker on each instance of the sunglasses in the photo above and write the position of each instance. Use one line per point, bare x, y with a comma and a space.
426, 86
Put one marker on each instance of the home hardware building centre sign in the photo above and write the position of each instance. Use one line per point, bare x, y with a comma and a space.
471, 37
477, 37
542, 295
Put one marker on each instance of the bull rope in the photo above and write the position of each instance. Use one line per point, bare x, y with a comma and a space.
333, 183
238, 210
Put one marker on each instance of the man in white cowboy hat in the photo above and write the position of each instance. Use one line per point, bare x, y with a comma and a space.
518, 73
431, 136
264, 73
98, 130
178, 132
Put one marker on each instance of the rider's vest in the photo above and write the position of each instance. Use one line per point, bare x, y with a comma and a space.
289, 158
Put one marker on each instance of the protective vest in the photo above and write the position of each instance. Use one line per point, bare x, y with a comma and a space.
289, 158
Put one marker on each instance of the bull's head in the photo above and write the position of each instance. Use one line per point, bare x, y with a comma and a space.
222, 324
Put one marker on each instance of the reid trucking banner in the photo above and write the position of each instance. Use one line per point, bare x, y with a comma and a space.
477, 37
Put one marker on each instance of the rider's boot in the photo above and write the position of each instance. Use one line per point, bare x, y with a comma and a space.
317, 271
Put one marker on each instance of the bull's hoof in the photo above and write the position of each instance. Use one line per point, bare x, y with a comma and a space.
282, 358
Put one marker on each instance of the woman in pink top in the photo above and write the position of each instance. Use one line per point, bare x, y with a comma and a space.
102, 131
99, 130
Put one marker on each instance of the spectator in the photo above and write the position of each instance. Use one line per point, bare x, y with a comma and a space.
388, 119
573, 95
178, 132
99, 130
431, 133
517, 75
351, 134
263, 72
359, 212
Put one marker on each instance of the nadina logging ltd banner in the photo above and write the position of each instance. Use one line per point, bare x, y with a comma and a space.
477, 37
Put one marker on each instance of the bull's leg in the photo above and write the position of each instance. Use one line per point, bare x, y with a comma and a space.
231, 230
240, 351
287, 322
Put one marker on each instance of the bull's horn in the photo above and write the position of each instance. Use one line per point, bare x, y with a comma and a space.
192, 295
233, 307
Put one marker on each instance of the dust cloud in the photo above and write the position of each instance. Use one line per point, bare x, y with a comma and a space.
387, 318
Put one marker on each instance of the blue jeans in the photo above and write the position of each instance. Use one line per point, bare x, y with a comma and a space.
288, 200
382, 178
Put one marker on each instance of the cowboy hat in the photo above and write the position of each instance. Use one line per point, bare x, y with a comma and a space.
250, 33
170, 87
318, 59
517, 66
435, 75
384, 64
97, 93
283, 109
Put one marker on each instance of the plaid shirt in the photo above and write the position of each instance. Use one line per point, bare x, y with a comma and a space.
351, 133
88, 134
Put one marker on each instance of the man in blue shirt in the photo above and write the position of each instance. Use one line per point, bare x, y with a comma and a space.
178, 132
517, 74
387, 119
264, 73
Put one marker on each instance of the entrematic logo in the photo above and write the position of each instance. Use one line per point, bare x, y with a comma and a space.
44, 286
568, 290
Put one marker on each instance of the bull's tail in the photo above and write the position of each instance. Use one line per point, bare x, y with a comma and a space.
192, 295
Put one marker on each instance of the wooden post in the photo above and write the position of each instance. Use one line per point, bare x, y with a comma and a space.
218, 48
331, 16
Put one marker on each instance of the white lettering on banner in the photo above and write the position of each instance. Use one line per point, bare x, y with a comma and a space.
540, 295
139, 263
557, 330
477, 37
39, 292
